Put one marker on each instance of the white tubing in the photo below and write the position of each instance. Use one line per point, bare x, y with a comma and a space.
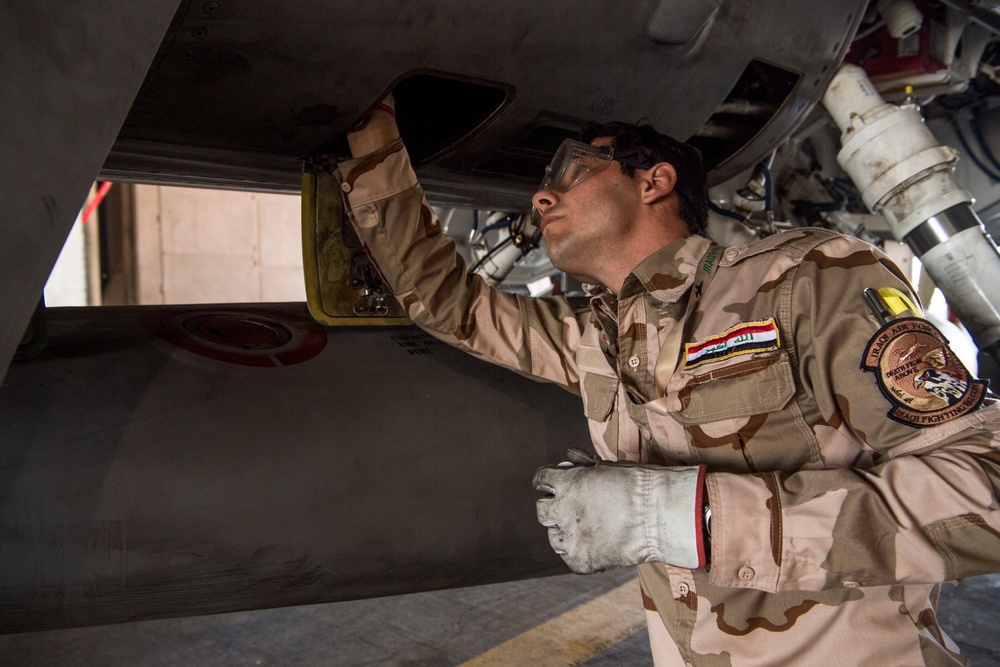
902, 18
851, 94
498, 265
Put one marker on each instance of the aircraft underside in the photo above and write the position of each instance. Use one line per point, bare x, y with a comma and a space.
178, 460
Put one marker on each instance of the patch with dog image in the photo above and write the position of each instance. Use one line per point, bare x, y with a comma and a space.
922, 378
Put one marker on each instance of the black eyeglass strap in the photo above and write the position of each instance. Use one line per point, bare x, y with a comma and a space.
633, 159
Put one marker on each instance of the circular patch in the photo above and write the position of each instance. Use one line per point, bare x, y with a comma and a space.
246, 336
920, 375
247, 332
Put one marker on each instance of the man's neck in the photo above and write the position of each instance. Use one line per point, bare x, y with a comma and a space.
642, 251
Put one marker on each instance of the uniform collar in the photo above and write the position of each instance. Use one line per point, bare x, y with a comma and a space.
667, 273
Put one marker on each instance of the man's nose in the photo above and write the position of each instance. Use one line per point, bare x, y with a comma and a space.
543, 199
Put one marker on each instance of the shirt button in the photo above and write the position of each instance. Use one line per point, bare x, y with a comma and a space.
634, 360
731, 253
747, 573
682, 588
346, 187
646, 435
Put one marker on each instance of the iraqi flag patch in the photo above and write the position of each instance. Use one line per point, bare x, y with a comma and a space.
744, 338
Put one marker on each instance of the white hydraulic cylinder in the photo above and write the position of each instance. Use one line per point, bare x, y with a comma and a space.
908, 177
902, 170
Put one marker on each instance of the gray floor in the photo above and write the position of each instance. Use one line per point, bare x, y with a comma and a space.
970, 613
427, 629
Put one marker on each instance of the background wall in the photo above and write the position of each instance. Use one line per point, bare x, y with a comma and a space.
208, 246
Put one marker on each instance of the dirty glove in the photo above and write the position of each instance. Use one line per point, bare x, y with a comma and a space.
374, 130
602, 515
387, 105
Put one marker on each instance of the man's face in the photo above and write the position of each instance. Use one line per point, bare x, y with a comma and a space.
585, 226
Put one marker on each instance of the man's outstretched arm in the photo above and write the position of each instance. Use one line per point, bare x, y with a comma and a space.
537, 337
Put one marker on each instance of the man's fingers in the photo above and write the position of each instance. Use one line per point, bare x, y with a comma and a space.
546, 479
544, 512
581, 458
557, 540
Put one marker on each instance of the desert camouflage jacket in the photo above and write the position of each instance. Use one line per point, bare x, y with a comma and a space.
852, 465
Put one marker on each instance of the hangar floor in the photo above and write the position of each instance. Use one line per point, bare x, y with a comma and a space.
568, 620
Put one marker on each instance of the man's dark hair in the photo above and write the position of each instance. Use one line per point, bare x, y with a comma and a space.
691, 186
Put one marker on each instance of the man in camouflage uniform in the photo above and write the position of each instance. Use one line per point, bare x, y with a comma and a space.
754, 381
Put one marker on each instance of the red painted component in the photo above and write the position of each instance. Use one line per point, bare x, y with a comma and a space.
884, 57
102, 192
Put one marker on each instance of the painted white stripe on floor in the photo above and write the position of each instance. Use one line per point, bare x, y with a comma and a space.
574, 637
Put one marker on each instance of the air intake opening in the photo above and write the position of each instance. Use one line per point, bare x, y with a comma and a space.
436, 111
753, 102
528, 155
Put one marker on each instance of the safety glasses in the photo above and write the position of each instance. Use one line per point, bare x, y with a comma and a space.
576, 161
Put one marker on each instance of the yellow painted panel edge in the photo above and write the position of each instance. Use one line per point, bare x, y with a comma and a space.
310, 266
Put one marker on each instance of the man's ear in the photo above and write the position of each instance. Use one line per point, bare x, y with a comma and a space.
658, 182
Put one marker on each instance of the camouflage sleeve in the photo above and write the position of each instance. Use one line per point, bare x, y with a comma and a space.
919, 504
536, 337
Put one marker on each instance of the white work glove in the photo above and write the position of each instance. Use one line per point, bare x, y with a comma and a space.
375, 129
602, 515
387, 105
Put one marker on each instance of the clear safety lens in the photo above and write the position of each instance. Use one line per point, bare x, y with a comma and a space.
574, 162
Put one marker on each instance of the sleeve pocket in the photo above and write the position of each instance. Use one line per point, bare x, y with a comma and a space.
968, 543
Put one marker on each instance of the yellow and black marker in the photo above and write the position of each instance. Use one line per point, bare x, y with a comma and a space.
889, 303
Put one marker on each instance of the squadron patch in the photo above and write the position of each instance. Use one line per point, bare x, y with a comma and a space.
920, 375
744, 338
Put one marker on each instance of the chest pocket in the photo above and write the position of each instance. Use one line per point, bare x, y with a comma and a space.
758, 386
600, 390
738, 417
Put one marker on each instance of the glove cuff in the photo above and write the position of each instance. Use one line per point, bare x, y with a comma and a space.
699, 519
676, 507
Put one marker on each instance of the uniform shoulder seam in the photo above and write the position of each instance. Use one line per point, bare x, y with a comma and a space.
797, 246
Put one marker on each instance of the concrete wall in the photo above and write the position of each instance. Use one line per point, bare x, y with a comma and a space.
207, 246
68, 284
